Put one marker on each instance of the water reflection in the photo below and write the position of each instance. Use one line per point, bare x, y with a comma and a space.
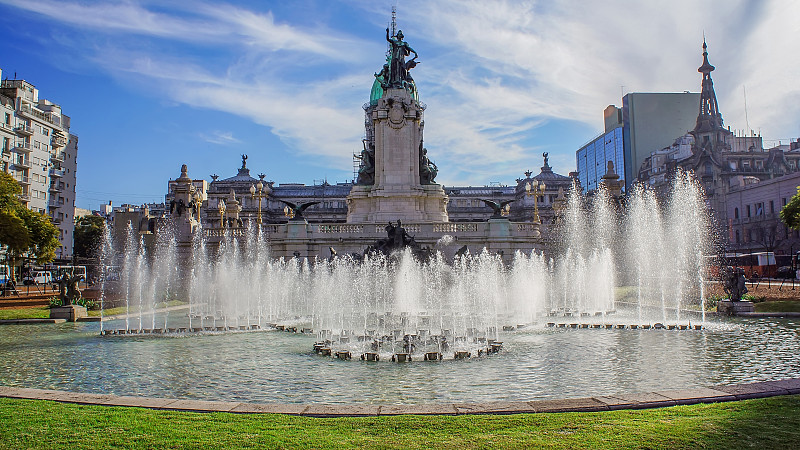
280, 367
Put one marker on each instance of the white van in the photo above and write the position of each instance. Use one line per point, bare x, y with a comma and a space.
40, 277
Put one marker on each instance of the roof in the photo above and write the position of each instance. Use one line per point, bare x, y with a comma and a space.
243, 175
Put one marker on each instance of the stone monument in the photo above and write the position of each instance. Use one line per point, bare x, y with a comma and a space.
69, 293
396, 177
734, 283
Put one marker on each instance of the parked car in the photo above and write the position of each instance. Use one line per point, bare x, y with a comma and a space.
39, 277
786, 272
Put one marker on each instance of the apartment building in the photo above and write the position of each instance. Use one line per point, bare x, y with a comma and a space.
41, 154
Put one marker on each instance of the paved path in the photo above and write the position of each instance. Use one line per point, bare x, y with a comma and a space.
757, 315
642, 400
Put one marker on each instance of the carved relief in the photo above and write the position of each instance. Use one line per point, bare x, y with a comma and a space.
397, 115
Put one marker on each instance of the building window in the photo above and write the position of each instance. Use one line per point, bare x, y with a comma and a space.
738, 237
736, 214
772, 206
748, 211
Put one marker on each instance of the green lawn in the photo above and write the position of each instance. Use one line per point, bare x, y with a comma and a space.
38, 312
764, 423
134, 308
778, 306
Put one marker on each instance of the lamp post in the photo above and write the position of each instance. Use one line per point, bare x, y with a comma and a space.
535, 189
221, 209
261, 194
288, 212
198, 200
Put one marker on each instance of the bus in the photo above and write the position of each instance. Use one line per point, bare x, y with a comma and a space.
755, 265
5, 275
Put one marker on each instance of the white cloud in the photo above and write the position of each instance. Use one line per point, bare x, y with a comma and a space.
494, 74
219, 138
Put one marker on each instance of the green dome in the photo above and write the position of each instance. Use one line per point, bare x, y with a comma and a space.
377, 92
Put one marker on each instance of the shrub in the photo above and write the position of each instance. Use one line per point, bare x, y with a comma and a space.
752, 298
713, 300
86, 302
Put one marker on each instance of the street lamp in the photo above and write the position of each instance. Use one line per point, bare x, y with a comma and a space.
198, 200
535, 189
221, 209
259, 196
288, 212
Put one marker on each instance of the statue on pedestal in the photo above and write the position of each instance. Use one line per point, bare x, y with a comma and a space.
366, 171
398, 77
68, 289
734, 283
427, 168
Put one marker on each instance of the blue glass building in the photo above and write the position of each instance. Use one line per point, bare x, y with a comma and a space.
592, 158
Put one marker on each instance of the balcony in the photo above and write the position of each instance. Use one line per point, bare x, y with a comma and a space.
23, 147
58, 140
6, 126
22, 179
24, 163
55, 204
25, 109
57, 157
25, 197
57, 173
56, 187
24, 130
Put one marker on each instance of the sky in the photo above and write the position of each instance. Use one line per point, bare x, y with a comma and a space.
151, 84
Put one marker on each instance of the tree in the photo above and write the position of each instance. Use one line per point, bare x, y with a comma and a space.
22, 230
88, 234
790, 214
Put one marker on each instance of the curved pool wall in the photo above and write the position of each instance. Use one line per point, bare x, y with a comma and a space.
279, 367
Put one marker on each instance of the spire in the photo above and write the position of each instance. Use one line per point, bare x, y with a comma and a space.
709, 119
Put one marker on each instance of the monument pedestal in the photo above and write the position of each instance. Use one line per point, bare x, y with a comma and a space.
70, 313
411, 204
404, 186
734, 308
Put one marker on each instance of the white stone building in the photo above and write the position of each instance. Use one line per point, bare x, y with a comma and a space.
41, 154
754, 223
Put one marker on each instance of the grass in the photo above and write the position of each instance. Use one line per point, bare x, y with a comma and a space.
778, 306
38, 312
43, 312
134, 308
763, 423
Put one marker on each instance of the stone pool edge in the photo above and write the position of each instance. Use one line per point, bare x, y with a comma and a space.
642, 400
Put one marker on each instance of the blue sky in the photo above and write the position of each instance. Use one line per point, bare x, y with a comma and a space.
151, 85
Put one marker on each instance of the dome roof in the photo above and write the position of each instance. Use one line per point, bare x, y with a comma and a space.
376, 92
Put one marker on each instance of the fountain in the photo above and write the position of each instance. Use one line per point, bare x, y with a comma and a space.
242, 324
388, 305
607, 299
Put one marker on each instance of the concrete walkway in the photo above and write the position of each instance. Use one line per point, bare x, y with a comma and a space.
756, 315
643, 400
